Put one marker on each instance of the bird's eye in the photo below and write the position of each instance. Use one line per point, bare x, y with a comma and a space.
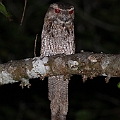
57, 10
71, 11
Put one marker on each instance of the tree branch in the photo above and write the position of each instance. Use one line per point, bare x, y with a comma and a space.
86, 64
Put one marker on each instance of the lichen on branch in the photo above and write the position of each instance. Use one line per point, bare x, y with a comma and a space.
87, 64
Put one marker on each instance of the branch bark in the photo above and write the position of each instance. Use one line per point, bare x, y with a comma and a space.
86, 64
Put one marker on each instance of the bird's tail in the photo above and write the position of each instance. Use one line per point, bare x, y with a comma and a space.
58, 95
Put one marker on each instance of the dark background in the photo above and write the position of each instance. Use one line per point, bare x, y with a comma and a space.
97, 29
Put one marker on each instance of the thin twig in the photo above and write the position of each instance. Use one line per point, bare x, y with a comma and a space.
23, 12
35, 45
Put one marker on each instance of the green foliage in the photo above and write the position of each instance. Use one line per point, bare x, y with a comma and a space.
118, 85
85, 115
4, 11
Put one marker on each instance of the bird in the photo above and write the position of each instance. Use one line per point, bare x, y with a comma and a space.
58, 38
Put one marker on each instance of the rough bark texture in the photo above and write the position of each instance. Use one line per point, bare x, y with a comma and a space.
86, 64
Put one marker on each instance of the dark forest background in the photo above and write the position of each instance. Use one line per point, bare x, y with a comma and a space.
97, 29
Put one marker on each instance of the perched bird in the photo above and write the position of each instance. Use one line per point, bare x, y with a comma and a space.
58, 38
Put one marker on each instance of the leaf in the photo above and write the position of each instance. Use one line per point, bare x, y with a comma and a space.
118, 85
4, 11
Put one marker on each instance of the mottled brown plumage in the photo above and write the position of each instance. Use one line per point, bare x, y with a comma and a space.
58, 38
